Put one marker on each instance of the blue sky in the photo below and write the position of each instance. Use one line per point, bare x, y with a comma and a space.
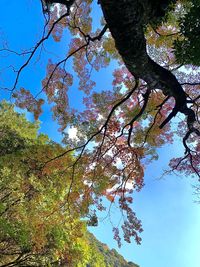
166, 206
170, 219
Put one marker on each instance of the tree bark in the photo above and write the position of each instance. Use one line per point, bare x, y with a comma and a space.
126, 20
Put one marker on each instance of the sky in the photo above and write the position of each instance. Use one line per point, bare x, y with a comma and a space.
166, 206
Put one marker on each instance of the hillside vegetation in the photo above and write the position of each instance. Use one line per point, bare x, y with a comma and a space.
111, 257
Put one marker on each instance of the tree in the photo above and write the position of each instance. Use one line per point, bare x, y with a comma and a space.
38, 227
146, 95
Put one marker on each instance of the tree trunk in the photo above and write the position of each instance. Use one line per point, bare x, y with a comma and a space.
126, 20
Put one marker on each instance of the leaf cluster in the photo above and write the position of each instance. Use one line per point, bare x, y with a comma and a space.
38, 225
187, 47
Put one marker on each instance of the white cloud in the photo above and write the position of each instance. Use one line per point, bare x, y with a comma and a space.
72, 132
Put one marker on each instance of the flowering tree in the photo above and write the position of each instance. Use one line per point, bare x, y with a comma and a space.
119, 130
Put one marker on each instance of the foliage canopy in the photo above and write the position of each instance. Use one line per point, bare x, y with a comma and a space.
37, 225
119, 130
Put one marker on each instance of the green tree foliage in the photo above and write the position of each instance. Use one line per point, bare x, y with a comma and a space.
187, 45
118, 130
37, 228
111, 257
